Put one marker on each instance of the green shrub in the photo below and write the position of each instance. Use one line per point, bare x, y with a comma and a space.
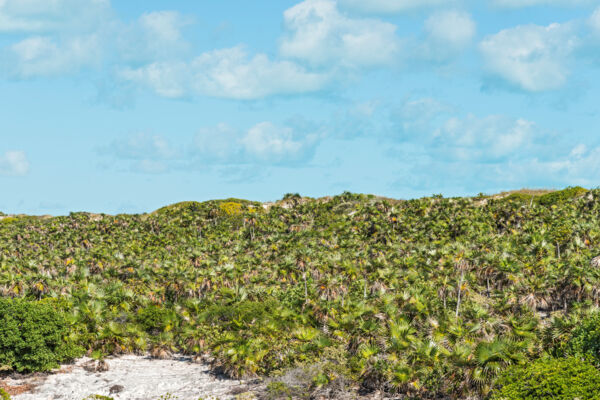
154, 318
584, 341
552, 378
3, 394
561, 196
32, 336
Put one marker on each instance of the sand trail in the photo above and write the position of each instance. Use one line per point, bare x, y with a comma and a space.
130, 377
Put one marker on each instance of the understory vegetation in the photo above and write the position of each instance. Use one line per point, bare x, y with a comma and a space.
431, 297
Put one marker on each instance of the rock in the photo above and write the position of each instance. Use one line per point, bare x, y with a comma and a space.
595, 262
102, 366
161, 353
96, 366
116, 389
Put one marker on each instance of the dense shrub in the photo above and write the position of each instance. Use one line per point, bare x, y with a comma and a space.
154, 319
32, 336
585, 340
553, 378
560, 196
431, 297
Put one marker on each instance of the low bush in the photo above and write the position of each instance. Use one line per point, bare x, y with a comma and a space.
552, 378
33, 336
561, 196
584, 341
154, 319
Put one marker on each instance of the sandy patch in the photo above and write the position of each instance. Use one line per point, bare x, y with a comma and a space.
130, 377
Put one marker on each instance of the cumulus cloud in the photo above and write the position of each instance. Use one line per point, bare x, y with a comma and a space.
390, 6
594, 21
264, 143
61, 37
447, 33
14, 163
217, 144
362, 119
490, 139
154, 36
415, 118
42, 56
318, 33
267, 142
51, 15
531, 57
227, 73
529, 3
435, 126
454, 153
454, 28
146, 153
142, 146
581, 166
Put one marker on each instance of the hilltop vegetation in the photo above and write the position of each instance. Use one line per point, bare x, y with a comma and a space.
428, 297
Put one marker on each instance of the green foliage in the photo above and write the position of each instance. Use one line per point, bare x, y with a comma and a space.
154, 318
4, 395
33, 336
552, 379
279, 390
561, 196
431, 297
584, 340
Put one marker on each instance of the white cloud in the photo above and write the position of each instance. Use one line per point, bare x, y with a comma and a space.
264, 143
218, 144
316, 32
580, 167
154, 36
453, 28
43, 56
64, 36
594, 21
227, 73
142, 146
489, 139
529, 3
51, 15
415, 117
164, 25
531, 57
390, 6
447, 33
268, 142
151, 154
14, 163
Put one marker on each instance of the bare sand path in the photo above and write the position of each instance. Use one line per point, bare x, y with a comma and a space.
130, 377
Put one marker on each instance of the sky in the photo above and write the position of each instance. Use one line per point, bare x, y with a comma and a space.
126, 106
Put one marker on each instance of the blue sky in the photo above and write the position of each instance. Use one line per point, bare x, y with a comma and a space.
126, 106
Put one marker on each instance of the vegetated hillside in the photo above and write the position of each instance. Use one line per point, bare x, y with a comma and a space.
433, 296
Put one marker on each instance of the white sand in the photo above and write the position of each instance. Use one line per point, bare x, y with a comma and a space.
142, 378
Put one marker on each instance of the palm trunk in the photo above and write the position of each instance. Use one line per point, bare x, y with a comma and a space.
462, 275
305, 287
